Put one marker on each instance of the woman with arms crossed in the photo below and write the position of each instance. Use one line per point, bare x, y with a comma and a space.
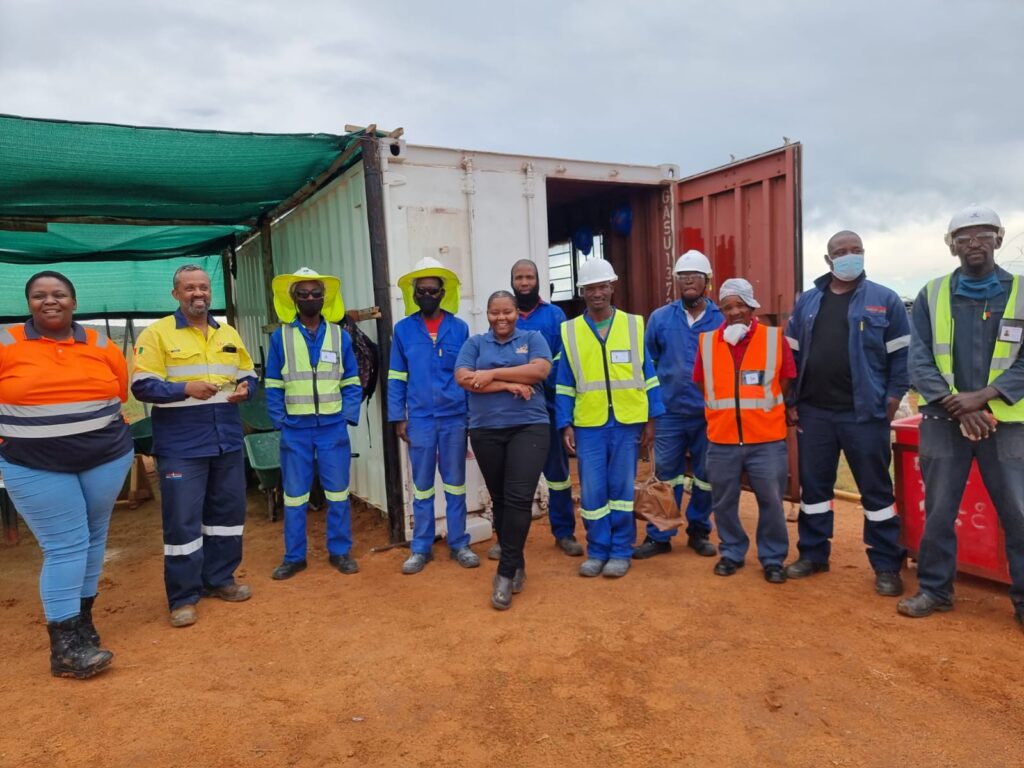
504, 370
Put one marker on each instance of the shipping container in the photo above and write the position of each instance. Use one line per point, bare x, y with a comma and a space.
478, 213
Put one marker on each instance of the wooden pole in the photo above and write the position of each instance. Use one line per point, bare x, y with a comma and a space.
267, 251
373, 176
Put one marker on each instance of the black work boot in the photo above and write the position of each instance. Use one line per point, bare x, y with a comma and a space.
70, 654
85, 626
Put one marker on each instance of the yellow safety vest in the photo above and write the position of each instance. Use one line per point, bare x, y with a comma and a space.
308, 391
610, 376
1004, 354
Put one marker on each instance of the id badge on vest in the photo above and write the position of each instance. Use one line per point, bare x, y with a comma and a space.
1011, 334
328, 356
752, 378
622, 356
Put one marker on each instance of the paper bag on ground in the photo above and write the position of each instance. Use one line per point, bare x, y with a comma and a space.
654, 501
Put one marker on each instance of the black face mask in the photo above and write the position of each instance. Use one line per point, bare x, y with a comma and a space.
309, 307
527, 301
428, 304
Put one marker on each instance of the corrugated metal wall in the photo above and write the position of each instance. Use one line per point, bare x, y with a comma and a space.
327, 233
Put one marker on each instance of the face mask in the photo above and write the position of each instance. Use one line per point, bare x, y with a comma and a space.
527, 301
733, 334
309, 307
848, 267
428, 304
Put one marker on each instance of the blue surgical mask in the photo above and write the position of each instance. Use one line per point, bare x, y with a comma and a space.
848, 267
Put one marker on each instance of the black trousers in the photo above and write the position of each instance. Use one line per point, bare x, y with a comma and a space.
511, 460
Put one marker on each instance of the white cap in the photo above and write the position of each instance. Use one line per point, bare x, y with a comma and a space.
974, 215
737, 286
693, 261
596, 271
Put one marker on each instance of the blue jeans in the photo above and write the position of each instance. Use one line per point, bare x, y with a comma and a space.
767, 468
674, 437
946, 457
69, 514
822, 435
438, 444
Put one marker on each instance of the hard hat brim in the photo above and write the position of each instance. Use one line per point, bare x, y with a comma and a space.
452, 288
284, 304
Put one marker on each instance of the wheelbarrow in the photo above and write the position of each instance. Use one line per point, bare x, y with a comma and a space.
264, 452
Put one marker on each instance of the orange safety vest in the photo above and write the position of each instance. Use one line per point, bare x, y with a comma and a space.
744, 406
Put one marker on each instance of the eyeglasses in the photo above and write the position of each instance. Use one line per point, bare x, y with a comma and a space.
981, 238
691, 278
309, 294
428, 291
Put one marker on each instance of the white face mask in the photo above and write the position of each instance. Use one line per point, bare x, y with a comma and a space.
733, 334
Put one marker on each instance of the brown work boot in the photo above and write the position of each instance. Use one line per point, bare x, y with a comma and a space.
233, 593
184, 616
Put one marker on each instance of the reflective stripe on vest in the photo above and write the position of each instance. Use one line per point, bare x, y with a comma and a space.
308, 392
1004, 353
58, 419
603, 384
739, 413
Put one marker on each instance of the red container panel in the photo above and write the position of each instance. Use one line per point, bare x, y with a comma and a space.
746, 217
981, 545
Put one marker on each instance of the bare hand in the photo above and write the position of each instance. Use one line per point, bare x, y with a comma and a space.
524, 391
201, 390
401, 429
241, 393
569, 440
793, 416
647, 436
977, 425
966, 402
891, 406
481, 379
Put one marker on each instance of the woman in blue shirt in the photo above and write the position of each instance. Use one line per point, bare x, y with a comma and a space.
504, 371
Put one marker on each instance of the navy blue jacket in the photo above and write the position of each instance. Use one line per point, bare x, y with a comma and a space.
879, 339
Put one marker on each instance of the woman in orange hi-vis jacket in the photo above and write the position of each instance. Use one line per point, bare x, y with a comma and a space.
64, 455
745, 368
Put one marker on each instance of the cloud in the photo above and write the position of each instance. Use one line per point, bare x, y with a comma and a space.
907, 110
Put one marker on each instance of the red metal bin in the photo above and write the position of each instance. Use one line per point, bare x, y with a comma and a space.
981, 545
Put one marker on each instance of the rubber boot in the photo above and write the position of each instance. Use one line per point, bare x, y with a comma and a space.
85, 626
70, 654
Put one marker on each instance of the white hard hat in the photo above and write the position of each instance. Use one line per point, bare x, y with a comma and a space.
973, 215
596, 271
693, 261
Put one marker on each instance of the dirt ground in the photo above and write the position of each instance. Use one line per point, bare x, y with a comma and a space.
670, 666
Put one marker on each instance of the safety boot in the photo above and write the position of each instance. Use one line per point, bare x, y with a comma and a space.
591, 567
465, 557
922, 604
518, 581
501, 597
70, 654
569, 546
85, 625
494, 551
616, 568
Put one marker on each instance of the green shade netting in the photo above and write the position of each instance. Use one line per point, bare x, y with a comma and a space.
104, 242
111, 289
51, 168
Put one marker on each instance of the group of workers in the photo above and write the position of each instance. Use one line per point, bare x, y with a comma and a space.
710, 386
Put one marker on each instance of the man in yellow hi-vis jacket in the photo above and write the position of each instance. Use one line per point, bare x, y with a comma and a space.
195, 370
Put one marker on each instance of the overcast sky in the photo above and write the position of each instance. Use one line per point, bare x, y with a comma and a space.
907, 109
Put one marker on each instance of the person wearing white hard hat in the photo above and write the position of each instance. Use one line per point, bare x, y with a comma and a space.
313, 396
850, 338
965, 362
745, 368
681, 432
607, 398
428, 407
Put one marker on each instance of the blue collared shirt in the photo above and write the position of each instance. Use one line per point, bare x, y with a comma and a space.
493, 410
